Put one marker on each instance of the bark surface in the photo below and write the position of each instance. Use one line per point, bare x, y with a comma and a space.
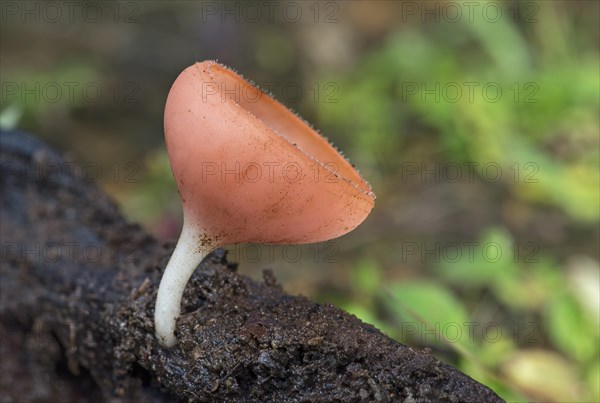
78, 285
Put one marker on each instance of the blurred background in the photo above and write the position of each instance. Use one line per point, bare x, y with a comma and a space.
475, 122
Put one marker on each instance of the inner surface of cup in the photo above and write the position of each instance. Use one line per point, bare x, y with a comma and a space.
284, 122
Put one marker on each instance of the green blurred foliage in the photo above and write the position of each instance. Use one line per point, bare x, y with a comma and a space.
571, 329
490, 98
39, 95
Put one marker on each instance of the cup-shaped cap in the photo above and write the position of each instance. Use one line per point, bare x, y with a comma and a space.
250, 170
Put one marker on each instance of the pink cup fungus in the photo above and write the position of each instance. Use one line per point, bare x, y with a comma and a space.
248, 170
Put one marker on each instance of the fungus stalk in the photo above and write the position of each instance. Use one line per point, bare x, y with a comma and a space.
186, 257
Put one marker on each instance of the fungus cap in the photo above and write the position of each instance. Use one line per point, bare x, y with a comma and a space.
250, 170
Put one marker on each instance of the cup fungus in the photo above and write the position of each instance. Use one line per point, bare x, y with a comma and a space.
248, 170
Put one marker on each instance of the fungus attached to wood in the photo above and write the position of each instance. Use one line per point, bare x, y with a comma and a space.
248, 170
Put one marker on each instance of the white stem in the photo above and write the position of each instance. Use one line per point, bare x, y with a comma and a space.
186, 257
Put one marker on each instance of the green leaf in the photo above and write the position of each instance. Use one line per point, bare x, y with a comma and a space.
570, 329
429, 312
